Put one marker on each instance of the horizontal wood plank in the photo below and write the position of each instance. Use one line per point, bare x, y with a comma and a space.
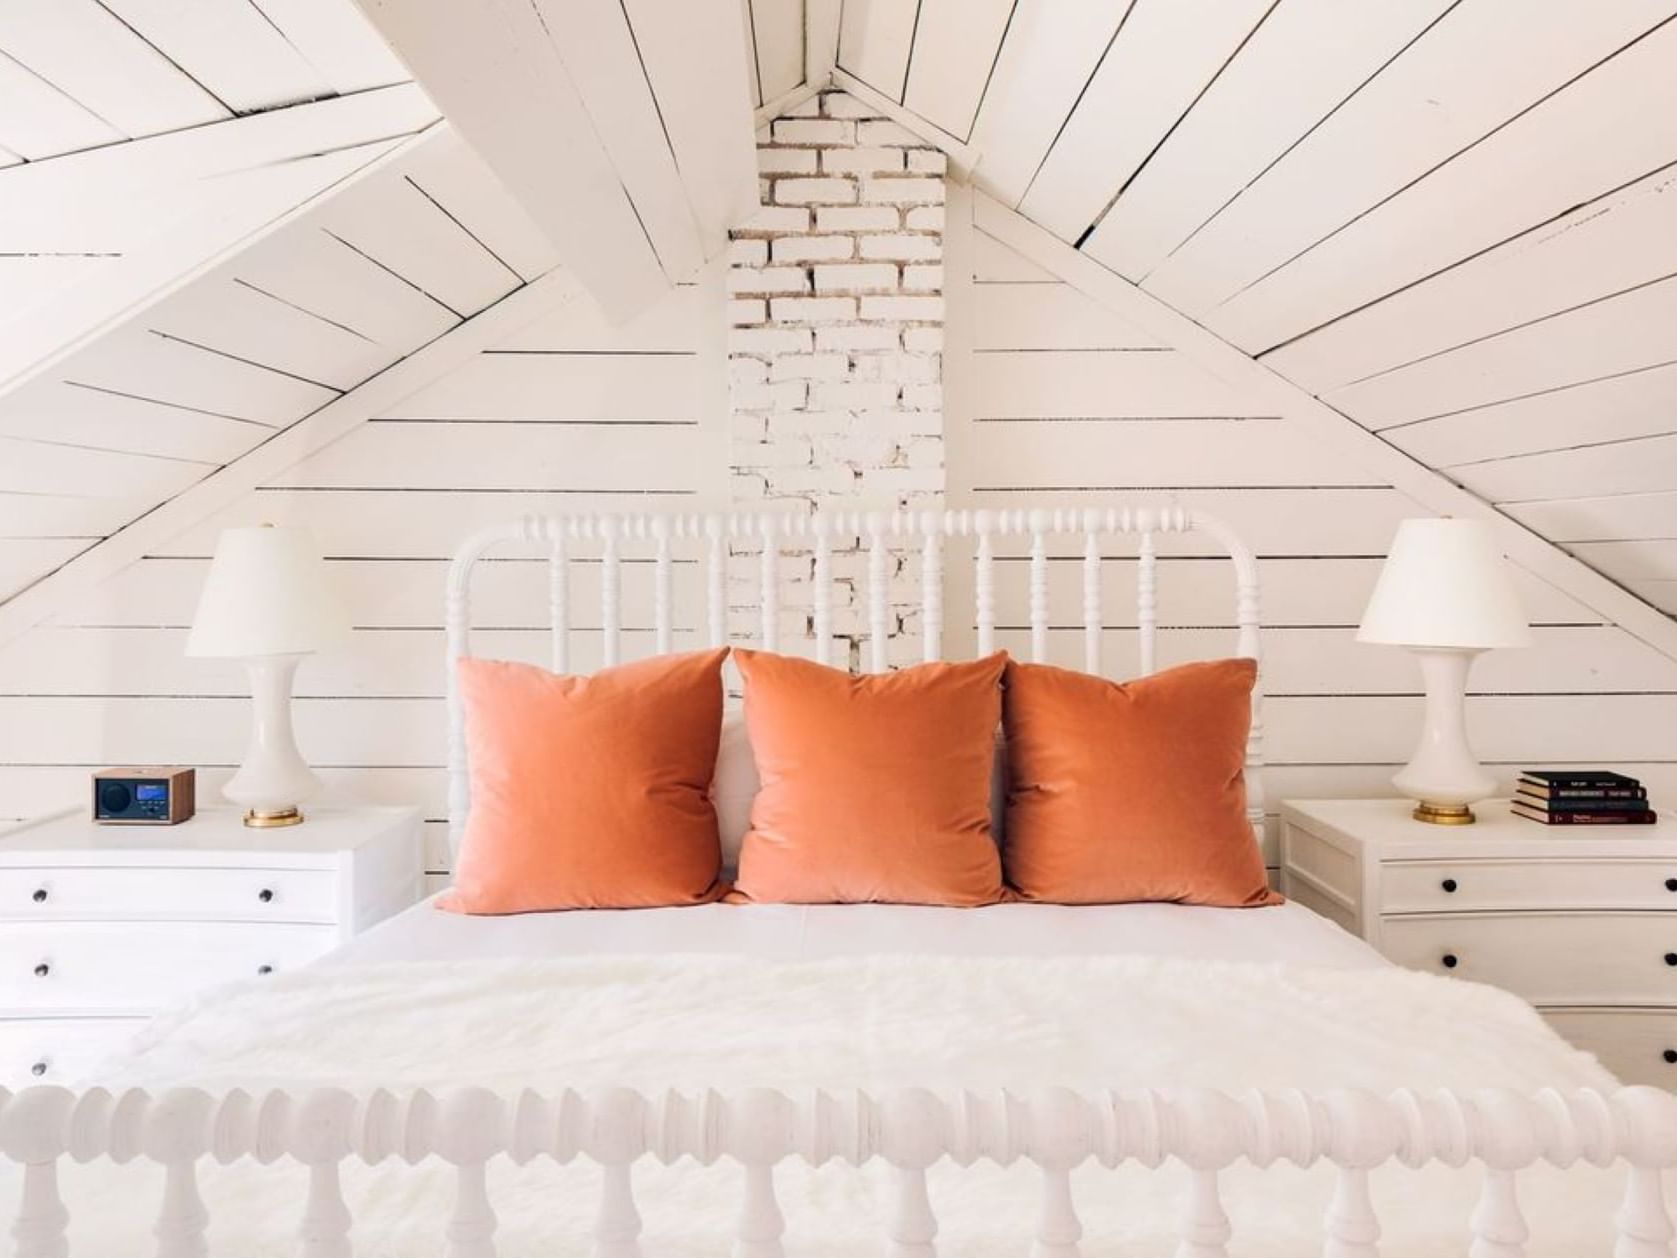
560, 388
1601, 519
1064, 384
1646, 465
1047, 317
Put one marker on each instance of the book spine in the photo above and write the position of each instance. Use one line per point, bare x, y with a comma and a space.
1585, 784
1588, 818
1587, 805
1538, 791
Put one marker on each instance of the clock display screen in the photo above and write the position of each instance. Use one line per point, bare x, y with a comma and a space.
151, 791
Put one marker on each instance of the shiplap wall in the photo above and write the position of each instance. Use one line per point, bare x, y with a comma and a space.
571, 413
1050, 397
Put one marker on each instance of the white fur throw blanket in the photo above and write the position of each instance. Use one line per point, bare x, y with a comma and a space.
692, 1022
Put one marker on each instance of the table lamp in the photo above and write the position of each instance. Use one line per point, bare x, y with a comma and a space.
267, 602
1445, 593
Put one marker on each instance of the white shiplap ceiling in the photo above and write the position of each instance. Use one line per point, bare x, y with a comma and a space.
1454, 221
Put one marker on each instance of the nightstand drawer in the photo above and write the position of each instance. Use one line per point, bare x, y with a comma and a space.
59, 1050
1440, 887
137, 894
1548, 958
124, 967
1632, 1043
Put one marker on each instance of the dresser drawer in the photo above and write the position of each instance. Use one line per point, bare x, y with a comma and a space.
59, 1050
1549, 958
1632, 1043
117, 893
114, 967
1444, 887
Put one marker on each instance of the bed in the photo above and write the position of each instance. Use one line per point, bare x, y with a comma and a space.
774, 1079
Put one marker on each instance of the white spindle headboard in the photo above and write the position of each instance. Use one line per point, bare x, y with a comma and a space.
882, 537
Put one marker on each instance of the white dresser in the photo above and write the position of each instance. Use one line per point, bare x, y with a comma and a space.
1581, 921
102, 926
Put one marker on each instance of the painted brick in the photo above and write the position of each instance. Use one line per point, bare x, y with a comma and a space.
783, 395
852, 395
918, 309
905, 191
750, 252
903, 247
923, 397
747, 371
923, 279
861, 161
812, 309
776, 453
809, 367
812, 480
775, 219
861, 337
857, 219
926, 218
924, 453
923, 340
770, 341
816, 131
815, 248
864, 277
786, 161
814, 423
774, 279
748, 426
747, 310
901, 368
808, 108
816, 191
898, 480
882, 132
928, 161
900, 423
859, 449
844, 105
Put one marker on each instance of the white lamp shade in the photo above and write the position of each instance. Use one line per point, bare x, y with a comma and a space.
267, 594
1445, 585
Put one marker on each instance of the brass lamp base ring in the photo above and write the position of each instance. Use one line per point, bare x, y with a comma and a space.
257, 819
1444, 814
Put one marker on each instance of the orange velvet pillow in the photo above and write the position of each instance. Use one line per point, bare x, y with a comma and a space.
590, 792
875, 788
1132, 791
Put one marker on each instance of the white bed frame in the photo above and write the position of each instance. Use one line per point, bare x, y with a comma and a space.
911, 1129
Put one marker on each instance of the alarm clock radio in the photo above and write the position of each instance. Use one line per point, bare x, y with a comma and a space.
143, 797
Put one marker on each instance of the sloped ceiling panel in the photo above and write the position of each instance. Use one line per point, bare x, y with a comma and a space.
80, 74
1451, 220
226, 362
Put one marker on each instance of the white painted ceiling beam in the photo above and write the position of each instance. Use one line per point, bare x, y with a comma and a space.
573, 140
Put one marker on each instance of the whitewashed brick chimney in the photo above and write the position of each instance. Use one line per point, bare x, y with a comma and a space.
836, 329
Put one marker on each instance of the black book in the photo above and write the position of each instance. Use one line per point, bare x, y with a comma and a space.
1573, 778
1646, 817
1568, 803
1542, 790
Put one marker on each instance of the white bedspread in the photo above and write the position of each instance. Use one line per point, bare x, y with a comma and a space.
690, 1021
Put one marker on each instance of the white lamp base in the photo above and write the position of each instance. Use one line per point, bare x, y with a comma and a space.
1444, 777
274, 778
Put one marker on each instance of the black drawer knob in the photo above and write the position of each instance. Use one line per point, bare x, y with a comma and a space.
40, 896
42, 970
266, 895
1449, 885
1671, 884
264, 969
1670, 1056
38, 1069
1671, 958
1449, 959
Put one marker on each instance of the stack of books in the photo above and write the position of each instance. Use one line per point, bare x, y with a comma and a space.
1581, 797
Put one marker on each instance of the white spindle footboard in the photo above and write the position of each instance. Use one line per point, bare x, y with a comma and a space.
909, 1130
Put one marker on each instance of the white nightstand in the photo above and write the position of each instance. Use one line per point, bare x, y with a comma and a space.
1580, 921
102, 926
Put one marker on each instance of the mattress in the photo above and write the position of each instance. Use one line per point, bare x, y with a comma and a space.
1283, 933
